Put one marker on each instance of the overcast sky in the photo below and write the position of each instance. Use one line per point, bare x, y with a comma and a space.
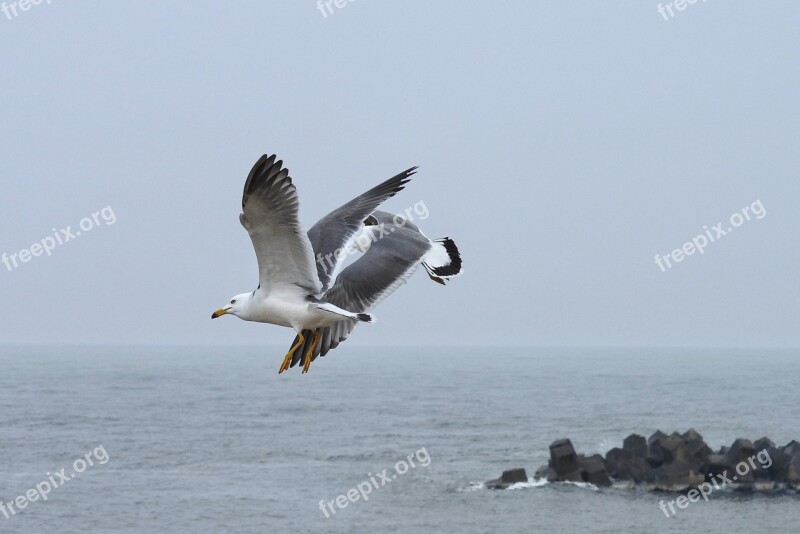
562, 144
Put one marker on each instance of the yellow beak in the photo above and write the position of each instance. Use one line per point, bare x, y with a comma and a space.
220, 312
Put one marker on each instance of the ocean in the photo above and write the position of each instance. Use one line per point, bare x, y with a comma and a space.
212, 439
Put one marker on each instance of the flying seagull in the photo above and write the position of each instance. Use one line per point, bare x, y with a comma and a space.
302, 282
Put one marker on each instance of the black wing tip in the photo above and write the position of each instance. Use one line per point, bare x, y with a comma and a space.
407, 174
264, 164
398, 182
266, 157
266, 167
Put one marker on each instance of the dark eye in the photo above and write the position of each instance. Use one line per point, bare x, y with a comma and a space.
233, 301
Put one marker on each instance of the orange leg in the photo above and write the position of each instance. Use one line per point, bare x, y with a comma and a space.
310, 353
287, 361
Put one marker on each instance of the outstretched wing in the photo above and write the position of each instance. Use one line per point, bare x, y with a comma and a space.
269, 214
333, 232
392, 258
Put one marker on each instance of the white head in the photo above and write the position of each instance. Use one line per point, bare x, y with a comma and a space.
237, 306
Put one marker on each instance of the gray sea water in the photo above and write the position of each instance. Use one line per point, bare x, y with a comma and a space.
214, 440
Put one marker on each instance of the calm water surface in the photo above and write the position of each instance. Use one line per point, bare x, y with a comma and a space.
213, 440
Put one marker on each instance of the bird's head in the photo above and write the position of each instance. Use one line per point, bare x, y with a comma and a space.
234, 307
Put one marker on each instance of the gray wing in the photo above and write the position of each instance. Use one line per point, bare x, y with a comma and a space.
336, 229
393, 220
269, 214
386, 265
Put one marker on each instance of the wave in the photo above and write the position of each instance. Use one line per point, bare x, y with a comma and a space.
531, 483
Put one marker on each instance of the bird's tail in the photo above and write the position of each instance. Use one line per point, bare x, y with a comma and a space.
330, 308
443, 260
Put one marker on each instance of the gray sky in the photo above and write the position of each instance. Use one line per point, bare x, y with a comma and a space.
562, 144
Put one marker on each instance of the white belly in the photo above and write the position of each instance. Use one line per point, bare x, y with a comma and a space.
294, 314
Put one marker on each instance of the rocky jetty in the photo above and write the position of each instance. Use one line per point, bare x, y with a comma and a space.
674, 462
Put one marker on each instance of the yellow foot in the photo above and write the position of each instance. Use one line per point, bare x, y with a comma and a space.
287, 361
310, 353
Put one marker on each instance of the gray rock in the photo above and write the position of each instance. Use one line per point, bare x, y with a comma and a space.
674, 449
563, 459
792, 448
741, 450
691, 435
716, 465
657, 436
508, 478
778, 470
618, 463
655, 456
636, 444
677, 475
593, 471
763, 443
696, 446
739, 457
622, 465
793, 472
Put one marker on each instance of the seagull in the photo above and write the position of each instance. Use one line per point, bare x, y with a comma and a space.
303, 283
